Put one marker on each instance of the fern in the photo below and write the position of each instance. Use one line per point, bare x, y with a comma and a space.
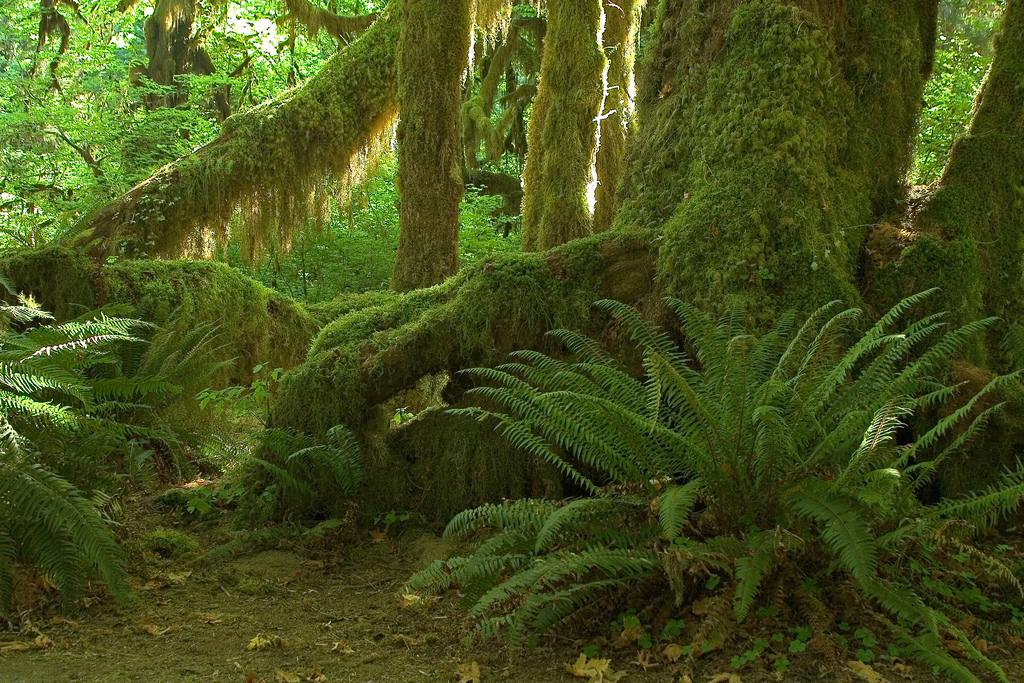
757, 453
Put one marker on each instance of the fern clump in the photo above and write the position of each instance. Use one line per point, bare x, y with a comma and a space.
756, 459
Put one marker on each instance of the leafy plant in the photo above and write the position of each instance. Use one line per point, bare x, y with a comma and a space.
47, 397
759, 459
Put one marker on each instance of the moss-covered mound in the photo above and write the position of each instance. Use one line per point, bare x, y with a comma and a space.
260, 325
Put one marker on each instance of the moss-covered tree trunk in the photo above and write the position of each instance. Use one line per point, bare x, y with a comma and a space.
275, 162
967, 235
773, 133
620, 27
433, 56
563, 127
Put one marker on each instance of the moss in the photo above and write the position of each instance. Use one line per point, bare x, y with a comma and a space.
799, 119
563, 129
169, 543
260, 325
622, 20
433, 56
279, 163
328, 311
460, 463
63, 281
476, 318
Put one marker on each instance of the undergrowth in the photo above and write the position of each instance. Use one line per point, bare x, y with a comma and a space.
731, 473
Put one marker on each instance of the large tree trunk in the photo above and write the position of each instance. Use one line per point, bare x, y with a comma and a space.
563, 127
276, 162
773, 133
620, 28
433, 57
965, 235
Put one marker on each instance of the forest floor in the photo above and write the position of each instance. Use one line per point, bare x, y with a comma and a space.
313, 612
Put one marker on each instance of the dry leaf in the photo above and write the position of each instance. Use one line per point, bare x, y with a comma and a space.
701, 607
628, 636
294, 578
672, 652
468, 673
15, 646
211, 618
154, 630
726, 678
865, 672
179, 578
597, 670
313, 564
285, 677
58, 621
156, 584
403, 639
342, 647
261, 642
408, 600
645, 660
685, 679
378, 536
41, 642
316, 676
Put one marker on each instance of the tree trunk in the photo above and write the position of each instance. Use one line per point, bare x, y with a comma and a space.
965, 235
773, 134
621, 21
275, 161
433, 56
563, 128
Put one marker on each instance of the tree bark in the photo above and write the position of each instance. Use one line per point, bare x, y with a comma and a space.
433, 56
274, 161
563, 130
773, 134
964, 235
621, 21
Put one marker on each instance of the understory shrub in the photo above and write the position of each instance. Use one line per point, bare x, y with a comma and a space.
734, 472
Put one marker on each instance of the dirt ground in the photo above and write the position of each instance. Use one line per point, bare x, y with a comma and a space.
291, 614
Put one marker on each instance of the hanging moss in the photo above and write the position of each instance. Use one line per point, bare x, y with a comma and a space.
617, 112
563, 128
773, 132
434, 55
279, 163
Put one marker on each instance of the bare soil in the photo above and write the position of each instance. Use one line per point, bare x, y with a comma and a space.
329, 612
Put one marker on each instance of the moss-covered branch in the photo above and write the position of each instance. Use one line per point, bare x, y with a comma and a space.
315, 18
478, 317
277, 162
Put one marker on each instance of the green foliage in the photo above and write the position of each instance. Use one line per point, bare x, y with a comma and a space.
48, 399
755, 456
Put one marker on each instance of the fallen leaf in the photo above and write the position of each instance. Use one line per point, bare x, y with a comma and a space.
402, 639
342, 647
672, 652
313, 564
628, 636
179, 578
597, 670
15, 646
261, 642
295, 577
378, 536
903, 670
468, 673
61, 621
865, 672
41, 642
154, 630
156, 584
645, 660
408, 600
685, 679
701, 607
726, 678
211, 618
285, 677
316, 676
